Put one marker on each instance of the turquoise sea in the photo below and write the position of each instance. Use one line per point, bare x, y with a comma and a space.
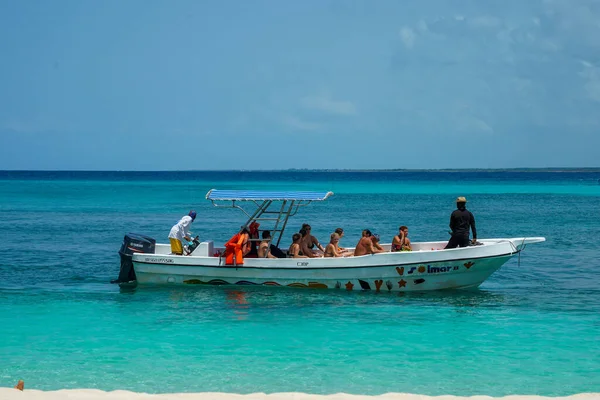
532, 328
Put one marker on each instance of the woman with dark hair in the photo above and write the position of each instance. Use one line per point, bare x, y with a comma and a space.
310, 240
237, 247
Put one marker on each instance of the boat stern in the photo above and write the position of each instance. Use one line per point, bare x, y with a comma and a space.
132, 243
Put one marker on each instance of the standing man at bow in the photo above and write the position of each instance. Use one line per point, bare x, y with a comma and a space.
461, 221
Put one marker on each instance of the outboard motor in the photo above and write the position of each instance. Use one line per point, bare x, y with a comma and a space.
132, 243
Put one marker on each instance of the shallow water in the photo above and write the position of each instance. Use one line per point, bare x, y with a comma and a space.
532, 328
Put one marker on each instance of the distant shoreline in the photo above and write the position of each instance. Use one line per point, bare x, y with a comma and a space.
305, 170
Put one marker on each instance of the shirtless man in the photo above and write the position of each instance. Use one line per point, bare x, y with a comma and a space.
305, 242
264, 247
365, 245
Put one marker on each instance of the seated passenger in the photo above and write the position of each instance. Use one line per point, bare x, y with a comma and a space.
340, 232
237, 247
264, 249
304, 247
295, 250
365, 245
375, 239
401, 242
312, 241
276, 251
253, 239
332, 250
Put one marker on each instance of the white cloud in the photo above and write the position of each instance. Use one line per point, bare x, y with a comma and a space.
422, 26
327, 105
298, 124
485, 21
474, 125
408, 37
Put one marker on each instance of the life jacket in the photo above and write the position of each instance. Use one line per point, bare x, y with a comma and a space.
235, 248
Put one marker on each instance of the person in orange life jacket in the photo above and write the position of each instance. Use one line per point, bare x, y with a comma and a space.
461, 221
181, 231
237, 247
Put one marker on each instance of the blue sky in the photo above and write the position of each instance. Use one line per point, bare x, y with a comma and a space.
170, 85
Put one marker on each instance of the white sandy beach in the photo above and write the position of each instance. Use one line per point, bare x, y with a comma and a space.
92, 394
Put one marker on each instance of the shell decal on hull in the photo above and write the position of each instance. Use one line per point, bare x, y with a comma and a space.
388, 284
338, 285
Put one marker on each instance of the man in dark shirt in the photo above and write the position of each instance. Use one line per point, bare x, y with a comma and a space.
461, 220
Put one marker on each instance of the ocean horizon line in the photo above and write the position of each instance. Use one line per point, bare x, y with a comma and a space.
516, 169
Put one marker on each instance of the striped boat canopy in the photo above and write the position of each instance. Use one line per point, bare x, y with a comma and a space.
253, 195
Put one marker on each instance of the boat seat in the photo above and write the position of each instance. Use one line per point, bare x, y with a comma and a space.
205, 249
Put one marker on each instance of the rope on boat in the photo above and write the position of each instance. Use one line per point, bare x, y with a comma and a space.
522, 248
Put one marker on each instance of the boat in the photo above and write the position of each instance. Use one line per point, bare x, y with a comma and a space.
427, 267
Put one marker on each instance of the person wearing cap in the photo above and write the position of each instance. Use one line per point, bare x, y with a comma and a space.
181, 231
461, 221
366, 244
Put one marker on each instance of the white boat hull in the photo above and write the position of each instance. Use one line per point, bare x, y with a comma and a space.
427, 268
